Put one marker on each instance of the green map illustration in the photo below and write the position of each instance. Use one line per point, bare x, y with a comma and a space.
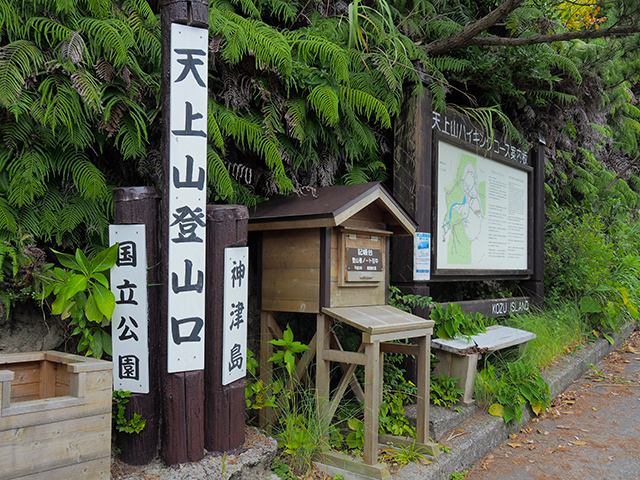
465, 197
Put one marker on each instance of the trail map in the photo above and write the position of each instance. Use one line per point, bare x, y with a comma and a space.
482, 212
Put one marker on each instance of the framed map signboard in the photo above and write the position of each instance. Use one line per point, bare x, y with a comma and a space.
482, 220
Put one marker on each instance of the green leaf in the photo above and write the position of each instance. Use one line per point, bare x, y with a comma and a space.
105, 299
589, 305
96, 345
83, 262
75, 284
66, 260
101, 278
58, 306
105, 259
92, 311
106, 343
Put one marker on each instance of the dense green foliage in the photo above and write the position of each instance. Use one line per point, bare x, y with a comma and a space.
302, 94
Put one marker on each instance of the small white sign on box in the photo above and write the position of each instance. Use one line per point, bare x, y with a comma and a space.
234, 329
129, 324
422, 256
187, 198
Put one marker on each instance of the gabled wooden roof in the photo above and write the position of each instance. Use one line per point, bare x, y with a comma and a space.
329, 207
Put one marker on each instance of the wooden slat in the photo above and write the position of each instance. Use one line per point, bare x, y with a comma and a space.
403, 348
98, 469
379, 319
379, 471
344, 357
47, 379
42, 447
97, 401
25, 392
27, 372
495, 338
276, 305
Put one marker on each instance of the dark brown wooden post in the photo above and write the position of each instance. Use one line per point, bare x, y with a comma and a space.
412, 187
182, 393
224, 405
141, 205
535, 286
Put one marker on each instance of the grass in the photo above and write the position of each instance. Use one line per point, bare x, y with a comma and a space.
558, 331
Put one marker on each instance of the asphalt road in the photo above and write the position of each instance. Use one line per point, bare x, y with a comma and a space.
591, 431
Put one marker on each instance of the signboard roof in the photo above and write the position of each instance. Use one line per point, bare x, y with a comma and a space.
329, 207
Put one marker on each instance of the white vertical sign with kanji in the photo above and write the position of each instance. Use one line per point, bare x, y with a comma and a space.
187, 198
129, 324
234, 325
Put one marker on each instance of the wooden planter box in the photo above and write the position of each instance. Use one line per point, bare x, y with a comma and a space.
55, 416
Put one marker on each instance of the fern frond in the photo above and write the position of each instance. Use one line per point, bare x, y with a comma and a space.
115, 38
324, 101
544, 96
244, 35
51, 31
7, 216
312, 47
366, 104
250, 134
28, 172
218, 175
88, 88
18, 60
213, 130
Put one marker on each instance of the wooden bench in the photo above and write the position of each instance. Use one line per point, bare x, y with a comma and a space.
459, 357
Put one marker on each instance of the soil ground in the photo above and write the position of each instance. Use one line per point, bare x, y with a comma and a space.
591, 431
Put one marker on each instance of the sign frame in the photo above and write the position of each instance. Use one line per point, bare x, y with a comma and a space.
496, 154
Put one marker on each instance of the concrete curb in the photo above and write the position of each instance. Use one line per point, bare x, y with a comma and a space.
481, 432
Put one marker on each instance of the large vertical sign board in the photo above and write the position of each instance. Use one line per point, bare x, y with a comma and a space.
234, 335
129, 333
187, 198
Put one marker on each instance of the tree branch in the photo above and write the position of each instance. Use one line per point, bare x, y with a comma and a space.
471, 30
556, 37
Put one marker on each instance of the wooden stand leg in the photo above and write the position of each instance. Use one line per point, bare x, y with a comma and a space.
371, 402
423, 361
322, 366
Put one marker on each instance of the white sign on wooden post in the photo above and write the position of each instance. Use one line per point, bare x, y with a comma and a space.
129, 324
234, 325
187, 198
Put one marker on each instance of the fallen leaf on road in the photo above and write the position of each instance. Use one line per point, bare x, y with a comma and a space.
563, 427
570, 402
531, 447
513, 436
579, 443
514, 445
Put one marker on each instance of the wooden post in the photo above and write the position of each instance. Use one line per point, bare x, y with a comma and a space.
224, 405
535, 286
140, 205
412, 180
182, 393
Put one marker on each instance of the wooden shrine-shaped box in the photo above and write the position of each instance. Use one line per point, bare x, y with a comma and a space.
327, 248
327, 252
